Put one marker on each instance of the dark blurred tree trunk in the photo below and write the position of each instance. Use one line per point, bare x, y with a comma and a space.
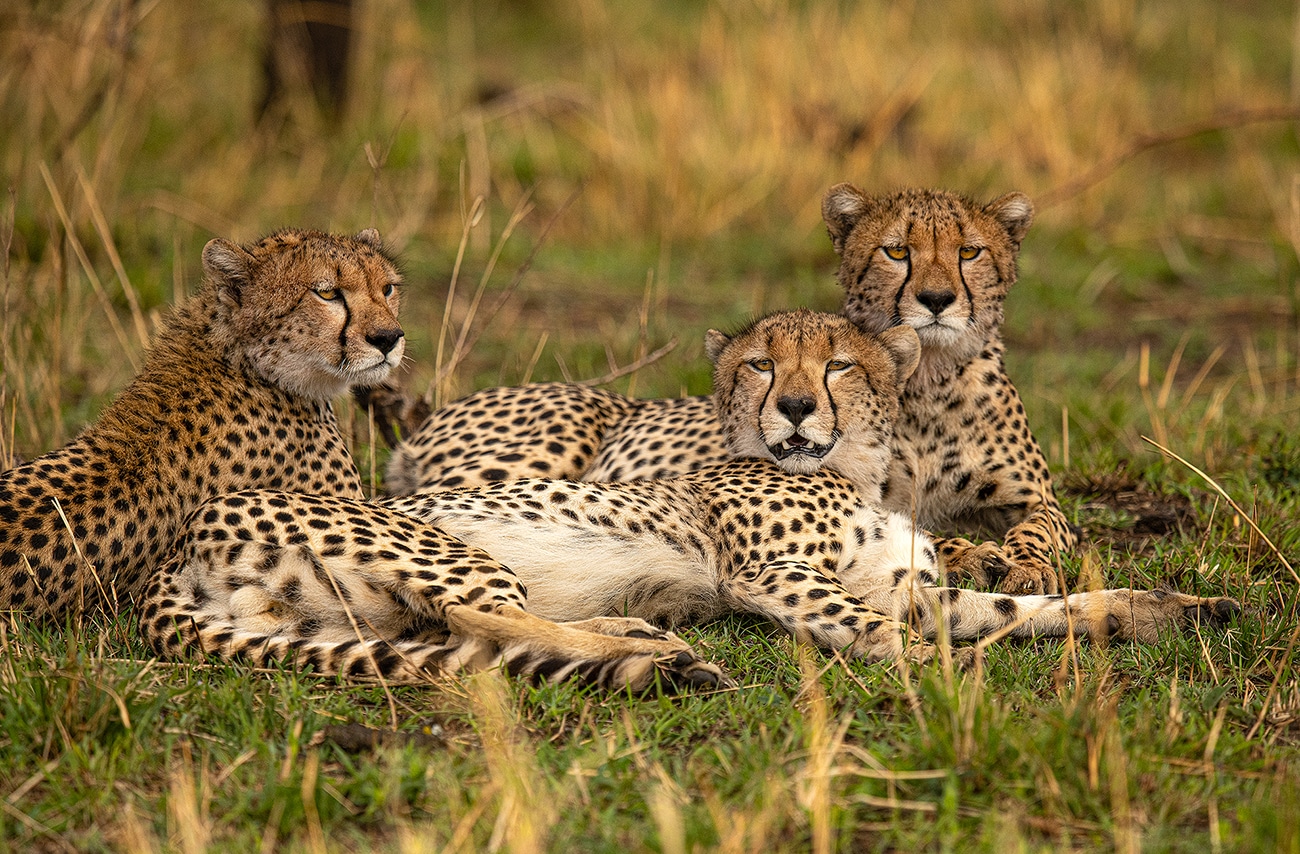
307, 50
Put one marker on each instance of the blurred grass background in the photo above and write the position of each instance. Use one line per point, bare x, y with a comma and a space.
646, 171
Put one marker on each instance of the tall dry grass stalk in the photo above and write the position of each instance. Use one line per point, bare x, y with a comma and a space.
525, 810
714, 126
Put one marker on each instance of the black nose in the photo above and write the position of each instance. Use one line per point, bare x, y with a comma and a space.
796, 408
936, 301
384, 340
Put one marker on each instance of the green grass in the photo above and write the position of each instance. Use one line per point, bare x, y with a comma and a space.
691, 144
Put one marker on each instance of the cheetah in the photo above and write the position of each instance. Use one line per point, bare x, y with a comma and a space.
964, 459
234, 395
793, 532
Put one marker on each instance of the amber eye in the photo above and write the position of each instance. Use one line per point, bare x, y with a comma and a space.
838, 365
969, 253
898, 253
761, 365
327, 293
389, 288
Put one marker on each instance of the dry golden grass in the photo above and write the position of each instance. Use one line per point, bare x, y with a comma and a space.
678, 153
130, 135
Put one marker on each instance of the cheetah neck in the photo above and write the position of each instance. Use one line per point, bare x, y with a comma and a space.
945, 369
196, 390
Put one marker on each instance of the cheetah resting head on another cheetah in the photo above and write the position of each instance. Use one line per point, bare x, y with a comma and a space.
438, 581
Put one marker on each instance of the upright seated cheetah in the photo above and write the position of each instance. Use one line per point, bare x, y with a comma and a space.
963, 459
235, 394
794, 532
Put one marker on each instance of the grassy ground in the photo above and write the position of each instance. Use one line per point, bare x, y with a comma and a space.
666, 162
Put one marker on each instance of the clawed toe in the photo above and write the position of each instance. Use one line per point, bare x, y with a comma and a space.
992, 567
685, 671
963, 658
1215, 612
1029, 580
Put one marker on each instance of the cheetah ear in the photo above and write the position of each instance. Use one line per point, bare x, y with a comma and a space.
714, 343
370, 236
1014, 212
842, 207
902, 343
229, 266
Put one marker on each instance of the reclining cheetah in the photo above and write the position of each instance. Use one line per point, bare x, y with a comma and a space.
963, 455
235, 395
794, 533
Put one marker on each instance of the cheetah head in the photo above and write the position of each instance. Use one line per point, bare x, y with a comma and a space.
313, 313
929, 259
808, 389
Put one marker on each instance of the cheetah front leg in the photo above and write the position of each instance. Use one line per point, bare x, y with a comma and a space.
818, 610
360, 590
1123, 614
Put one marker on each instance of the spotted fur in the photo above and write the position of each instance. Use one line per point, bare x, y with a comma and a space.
964, 459
235, 393
795, 534
361, 591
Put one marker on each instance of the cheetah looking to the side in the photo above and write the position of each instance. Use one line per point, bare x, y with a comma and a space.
795, 533
964, 458
235, 393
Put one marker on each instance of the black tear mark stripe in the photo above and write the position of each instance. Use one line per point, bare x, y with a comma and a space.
961, 270
767, 392
343, 330
830, 398
907, 278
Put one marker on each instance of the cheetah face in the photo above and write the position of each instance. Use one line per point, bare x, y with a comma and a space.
315, 313
929, 259
806, 389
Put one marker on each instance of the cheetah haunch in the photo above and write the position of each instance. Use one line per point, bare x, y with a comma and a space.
796, 534
963, 456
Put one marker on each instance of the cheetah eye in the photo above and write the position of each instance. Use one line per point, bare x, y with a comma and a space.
763, 366
327, 294
838, 365
898, 253
969, 253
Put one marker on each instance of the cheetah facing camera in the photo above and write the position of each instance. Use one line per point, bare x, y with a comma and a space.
235, 393
795, 534
964, 458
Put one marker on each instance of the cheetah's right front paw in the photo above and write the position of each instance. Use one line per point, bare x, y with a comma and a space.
1031, 579
981, 565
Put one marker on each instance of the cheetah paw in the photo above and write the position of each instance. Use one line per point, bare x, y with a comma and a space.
1215, 612
684, 671
980, 565
1029, 580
